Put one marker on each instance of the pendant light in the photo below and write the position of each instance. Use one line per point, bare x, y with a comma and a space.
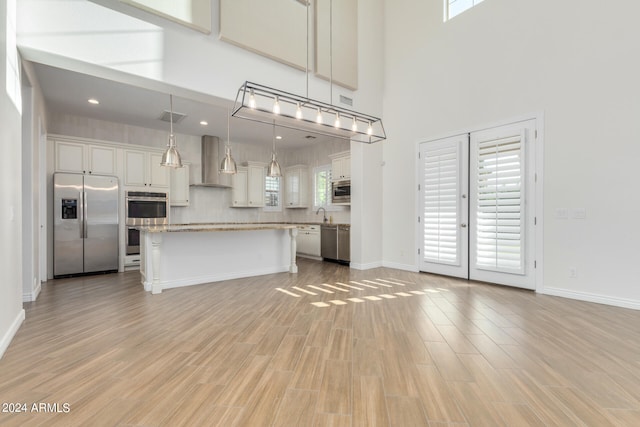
273, 170
171, 157
228, 165
268, 105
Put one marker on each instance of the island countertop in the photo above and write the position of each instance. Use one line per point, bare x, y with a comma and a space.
216, 227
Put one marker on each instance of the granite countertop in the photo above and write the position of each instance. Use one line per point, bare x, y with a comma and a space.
215, 227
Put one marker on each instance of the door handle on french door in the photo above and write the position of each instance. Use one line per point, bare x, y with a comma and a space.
463, 225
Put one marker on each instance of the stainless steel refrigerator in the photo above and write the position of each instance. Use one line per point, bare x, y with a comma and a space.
85, 230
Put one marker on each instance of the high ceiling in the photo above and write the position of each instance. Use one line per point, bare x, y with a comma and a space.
68, 92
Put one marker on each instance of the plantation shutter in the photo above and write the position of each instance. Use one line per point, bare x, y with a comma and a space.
500, 226
441, 204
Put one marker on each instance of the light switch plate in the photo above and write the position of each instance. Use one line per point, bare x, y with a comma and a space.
562, 213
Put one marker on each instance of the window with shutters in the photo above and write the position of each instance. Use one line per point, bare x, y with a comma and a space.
456, 7
272, 194
322, 186
441, 208
500, 205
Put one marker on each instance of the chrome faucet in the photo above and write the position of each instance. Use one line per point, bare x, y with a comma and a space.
324, 215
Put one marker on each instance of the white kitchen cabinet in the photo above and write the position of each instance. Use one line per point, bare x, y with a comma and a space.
85, 158
179, 194
248, 186
341, 166
143, 169
308, 241
296, 186
239, 195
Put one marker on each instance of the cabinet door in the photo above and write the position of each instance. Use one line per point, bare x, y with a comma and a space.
179, 194
292, 184
135, 168
239, 183
69, 157
341, 168
158, 174
346, 167
256, 186
303, 242
102, 160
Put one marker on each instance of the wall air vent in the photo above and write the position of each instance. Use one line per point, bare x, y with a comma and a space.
177, 117
346, 100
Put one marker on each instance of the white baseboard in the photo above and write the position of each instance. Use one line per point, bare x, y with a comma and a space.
398, 266
317, 258
365, 266
33, 295
589, 297
11, 332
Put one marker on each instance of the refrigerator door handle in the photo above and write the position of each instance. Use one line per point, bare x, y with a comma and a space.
85, 217
81, 213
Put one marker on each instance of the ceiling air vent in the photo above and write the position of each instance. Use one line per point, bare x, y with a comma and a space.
177, 117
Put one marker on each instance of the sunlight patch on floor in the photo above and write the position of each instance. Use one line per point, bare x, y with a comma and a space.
361, 285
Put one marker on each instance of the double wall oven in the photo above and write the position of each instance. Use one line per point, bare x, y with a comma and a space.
143, 208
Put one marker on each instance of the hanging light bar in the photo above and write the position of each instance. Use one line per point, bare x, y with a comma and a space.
256, 102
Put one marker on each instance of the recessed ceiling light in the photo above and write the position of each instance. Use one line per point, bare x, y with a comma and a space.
278, 137
93, 101
204, 123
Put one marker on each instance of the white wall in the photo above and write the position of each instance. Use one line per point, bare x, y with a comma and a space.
11, 312
574, 61
84, 36
33, 122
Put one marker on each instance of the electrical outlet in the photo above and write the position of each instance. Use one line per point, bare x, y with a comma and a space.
573, 272
562, 213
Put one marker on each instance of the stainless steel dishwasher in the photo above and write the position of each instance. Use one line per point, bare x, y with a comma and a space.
329, 241
344, 243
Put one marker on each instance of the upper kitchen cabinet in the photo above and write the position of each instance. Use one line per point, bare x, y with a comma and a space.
296, 186
334, 26
79, 157
341, 166
179, 194
248, 186
143, 169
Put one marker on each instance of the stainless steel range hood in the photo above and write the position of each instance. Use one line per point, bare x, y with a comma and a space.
212, 152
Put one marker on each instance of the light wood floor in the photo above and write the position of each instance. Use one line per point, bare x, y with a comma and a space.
387, 348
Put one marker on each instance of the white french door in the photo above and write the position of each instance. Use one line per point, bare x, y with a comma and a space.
477, 205
444, 213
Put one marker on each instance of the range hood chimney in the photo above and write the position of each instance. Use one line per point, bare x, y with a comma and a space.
212, 152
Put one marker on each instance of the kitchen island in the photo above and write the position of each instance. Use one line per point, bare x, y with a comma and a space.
183, 255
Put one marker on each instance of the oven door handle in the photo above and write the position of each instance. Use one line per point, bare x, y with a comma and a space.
147, 199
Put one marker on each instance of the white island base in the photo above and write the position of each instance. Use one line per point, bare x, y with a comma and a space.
184, 255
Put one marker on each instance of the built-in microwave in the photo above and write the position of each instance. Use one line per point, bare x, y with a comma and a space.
143, 208
341, 192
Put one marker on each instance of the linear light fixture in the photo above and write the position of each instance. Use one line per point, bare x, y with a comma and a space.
256, 102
